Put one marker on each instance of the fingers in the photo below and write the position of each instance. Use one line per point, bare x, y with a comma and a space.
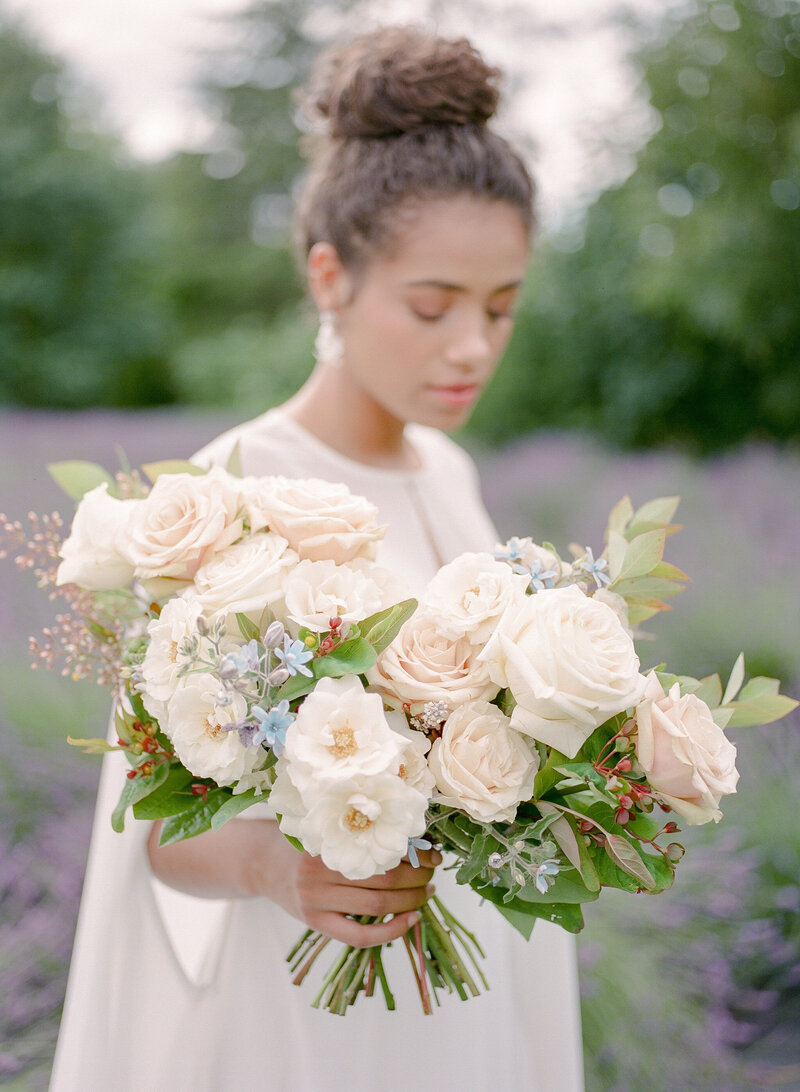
376, 903
404, 875
362, 936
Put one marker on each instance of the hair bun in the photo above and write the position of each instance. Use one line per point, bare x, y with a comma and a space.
400, 79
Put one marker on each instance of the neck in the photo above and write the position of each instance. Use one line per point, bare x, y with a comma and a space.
340, 414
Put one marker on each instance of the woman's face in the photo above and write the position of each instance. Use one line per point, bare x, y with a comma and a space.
426, 324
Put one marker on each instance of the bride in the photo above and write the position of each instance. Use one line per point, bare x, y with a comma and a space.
415, 223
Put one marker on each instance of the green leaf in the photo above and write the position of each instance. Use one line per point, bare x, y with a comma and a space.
761, 710
647, 588
234, 806
76, 477
665, 571
380, 629
234, 463
194, 820
135, 789
709, 691
759, 686
735, 681
523, 922
171, 466
617, 548
641, 555
482, 846
170, 798
247, 628
659, 511
620, 516
573, 847
93, 746
350, 658
547, 775
545, 906
623, 854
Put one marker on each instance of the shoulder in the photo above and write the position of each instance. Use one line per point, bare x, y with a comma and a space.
219, 451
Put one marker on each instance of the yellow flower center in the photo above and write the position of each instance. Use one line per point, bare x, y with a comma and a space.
356, 820
213, 731
344, 742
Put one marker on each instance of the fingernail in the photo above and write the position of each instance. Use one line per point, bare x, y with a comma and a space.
429, 890
436, 856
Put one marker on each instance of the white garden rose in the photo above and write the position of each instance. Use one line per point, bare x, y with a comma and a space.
183, 522
317, 591
414, 767
361, 827
340, 731
195, 724
247, 577
684, 754
323, 520
569, 664
469, 594
93, 554
422, 665
617, 604
482, 765
175, 626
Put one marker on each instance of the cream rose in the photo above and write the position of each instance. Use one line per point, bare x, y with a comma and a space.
482, 765
322, 520
93, 553
569, 664
183, 522
684, 754
423, 665
469, 594
246, 577
317, 591
617, 604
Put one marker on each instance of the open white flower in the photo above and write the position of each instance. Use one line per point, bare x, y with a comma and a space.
169, 634
94, 553
247, 577
322, 520
482, 765
340, 731
361, 827
569, 664
317, 591
195, 724
423, 665
414, 767
183, 522
469, 594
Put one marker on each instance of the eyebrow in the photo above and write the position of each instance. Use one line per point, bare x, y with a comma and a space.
458, 287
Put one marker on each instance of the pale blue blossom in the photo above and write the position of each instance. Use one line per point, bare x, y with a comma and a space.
595, 568
294, 655
545, 875
272, 725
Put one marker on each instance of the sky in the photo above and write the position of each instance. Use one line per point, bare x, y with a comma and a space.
141, 55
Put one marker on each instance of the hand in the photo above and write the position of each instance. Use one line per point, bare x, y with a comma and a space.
323, 899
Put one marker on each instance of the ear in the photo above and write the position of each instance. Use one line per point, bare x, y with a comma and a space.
329, 282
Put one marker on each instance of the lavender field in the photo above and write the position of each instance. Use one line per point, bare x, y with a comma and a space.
698, 989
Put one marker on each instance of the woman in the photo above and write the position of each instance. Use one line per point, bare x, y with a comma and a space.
415, 221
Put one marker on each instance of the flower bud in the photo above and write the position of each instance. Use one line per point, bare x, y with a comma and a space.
671, 828
279, 676
310, 641
274, 635
624, 765
622, 816
202, 625
675, 851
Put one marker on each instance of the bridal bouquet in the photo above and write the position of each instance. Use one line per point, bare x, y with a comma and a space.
258, 652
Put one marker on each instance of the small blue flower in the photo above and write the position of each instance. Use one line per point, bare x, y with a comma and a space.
246, 659
595, 568
545, 874
413, 845
272, 725
294, 655
541, 577
511, 552
246, 730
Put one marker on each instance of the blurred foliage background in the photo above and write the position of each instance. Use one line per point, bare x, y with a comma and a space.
662, 316
665, 313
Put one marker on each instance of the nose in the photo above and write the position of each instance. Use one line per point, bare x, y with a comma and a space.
470, 347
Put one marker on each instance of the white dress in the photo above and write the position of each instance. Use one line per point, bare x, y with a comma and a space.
169, 992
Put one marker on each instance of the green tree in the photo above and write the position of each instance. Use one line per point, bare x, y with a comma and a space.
77, 322
676, 320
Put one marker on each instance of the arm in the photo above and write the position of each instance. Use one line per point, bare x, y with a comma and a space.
250, 858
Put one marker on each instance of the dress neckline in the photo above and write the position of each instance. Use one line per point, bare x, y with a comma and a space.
402, 474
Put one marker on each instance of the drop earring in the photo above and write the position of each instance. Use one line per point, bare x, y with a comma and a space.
328, 347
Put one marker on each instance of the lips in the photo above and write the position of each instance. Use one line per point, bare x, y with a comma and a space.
457, 394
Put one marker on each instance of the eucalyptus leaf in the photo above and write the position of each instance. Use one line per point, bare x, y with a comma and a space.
641, 555
620, 516
661, 511
710, 691
617, 547
762, 710
77, 477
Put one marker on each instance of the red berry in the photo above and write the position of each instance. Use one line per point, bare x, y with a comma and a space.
200, 790
131, 774
624, 765
622, 816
